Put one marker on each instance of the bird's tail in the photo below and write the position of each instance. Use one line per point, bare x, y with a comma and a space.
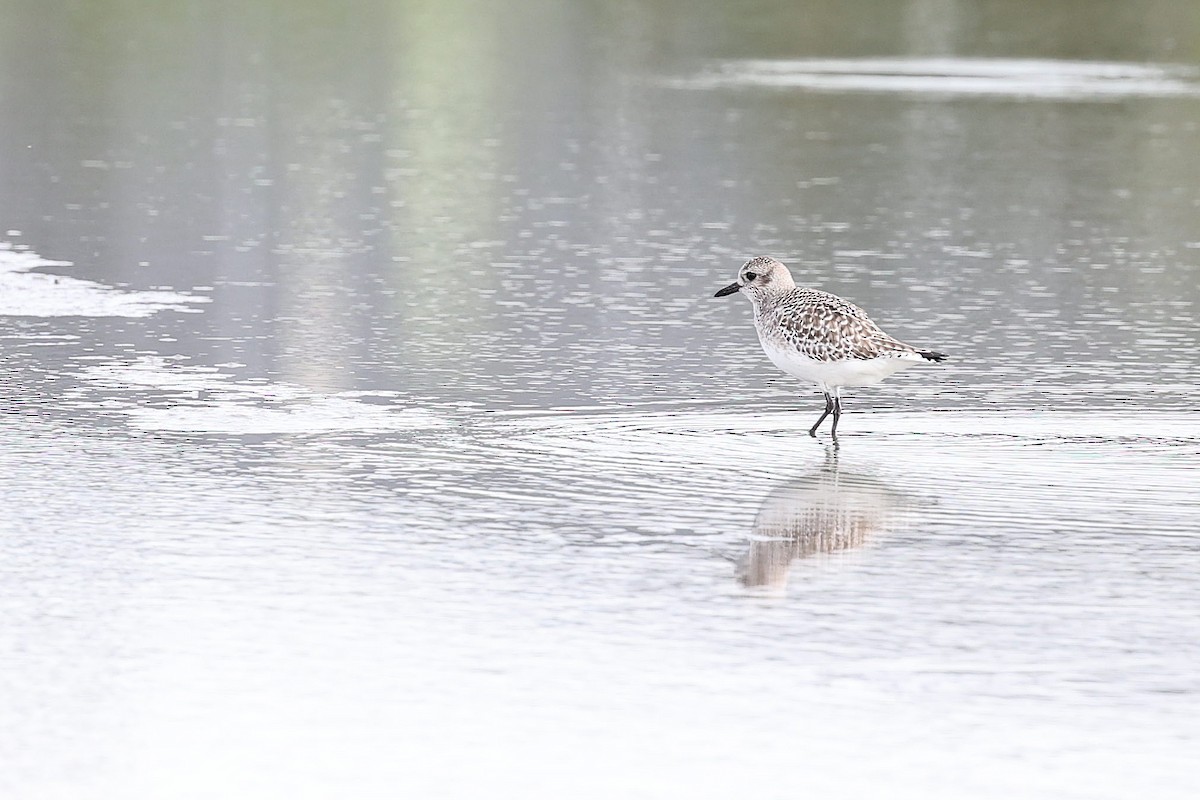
929, 355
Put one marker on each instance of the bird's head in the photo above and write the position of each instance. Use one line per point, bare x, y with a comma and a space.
758, 277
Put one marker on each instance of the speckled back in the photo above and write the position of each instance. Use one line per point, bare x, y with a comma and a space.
823, 326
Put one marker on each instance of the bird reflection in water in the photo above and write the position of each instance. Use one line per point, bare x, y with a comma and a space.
827, 511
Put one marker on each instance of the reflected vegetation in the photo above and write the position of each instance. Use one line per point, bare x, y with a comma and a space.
434, 451
827, 511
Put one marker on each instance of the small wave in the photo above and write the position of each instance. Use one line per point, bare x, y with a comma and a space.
205, 400
1026, 78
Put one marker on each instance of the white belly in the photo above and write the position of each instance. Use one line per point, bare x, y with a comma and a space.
831, 375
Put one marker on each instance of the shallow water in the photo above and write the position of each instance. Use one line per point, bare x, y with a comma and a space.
370, 429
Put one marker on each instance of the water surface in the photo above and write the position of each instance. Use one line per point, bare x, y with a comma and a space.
369, 427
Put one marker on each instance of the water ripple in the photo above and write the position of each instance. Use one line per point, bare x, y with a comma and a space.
996, 77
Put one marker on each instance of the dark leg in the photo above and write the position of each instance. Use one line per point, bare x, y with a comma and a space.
837, 414
829, 406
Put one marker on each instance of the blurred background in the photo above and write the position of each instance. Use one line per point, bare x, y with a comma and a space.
505, 203
382, 436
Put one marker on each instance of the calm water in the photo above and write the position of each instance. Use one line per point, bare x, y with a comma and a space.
369, 428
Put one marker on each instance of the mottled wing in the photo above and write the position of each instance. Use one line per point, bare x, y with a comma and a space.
825, 327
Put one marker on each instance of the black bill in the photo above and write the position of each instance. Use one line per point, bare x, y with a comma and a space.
730, 289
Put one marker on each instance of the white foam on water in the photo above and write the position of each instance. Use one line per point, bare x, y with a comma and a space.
26, 293
220, 404
1029, 78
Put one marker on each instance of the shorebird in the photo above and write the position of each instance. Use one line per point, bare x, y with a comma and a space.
819, 337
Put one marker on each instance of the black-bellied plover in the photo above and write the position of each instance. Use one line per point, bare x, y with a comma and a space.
819, 337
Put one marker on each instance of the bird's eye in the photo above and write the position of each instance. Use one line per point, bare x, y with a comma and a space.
750, 276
